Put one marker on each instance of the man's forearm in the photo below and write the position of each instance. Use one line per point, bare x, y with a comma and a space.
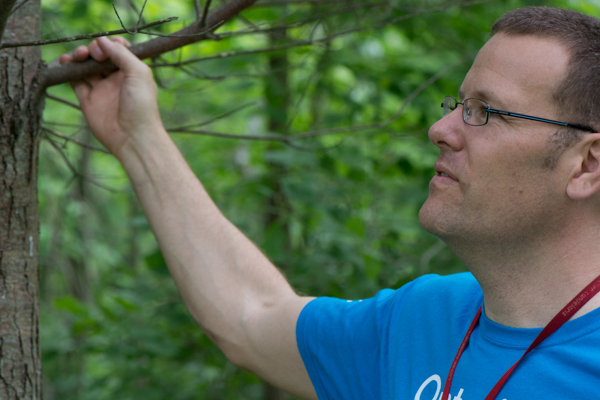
222, 276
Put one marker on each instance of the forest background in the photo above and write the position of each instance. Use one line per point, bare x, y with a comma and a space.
336, 211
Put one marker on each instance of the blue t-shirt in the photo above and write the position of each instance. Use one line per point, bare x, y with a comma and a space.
400, 344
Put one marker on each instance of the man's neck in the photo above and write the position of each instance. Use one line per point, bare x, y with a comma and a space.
533, 304
526, 289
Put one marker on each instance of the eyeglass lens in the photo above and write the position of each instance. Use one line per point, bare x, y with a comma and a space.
474, 110
448, 105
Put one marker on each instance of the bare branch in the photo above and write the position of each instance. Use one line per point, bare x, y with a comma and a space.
329, 131
133, 32
17, 6
218, 117
294, 2
206, 33
78, 126
82, 37
203, 75
135, 29
198, 10
152, 48
62, 154
353, 7
80, 143
316, 41
6, 8
205, 14
61, 100
73, 169
240, 53
141, 13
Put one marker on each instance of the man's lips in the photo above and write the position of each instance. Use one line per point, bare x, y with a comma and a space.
442, 170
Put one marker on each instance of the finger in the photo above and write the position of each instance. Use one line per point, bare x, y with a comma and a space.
81, 53
121, 40
82, 90
122, 57
65, 59
96, 52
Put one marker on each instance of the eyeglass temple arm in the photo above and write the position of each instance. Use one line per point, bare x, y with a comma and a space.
549, 121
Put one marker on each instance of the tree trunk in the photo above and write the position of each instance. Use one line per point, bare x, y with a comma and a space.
277, 95
20, 116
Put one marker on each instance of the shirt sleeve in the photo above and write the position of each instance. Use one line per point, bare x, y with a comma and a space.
341, 343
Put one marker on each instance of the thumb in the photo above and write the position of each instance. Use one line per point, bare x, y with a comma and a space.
122, 57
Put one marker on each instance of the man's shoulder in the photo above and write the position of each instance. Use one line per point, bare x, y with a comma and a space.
435, 288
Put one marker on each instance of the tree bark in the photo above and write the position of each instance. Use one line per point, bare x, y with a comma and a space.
20, 115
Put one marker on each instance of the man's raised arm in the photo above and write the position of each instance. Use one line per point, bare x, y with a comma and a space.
234, 293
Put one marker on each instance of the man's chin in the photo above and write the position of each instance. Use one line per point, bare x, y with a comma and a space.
435, 220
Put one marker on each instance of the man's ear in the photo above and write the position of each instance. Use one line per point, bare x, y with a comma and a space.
585, 175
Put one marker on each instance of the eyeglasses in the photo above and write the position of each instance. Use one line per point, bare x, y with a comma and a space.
476, 113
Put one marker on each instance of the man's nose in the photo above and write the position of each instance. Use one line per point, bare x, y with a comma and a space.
448, 131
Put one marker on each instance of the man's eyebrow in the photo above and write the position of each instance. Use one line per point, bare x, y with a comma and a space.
485, 95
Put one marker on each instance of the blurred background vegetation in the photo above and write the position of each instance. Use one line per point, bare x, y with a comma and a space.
337, 213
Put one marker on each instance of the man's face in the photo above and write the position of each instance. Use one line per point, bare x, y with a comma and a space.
491, 183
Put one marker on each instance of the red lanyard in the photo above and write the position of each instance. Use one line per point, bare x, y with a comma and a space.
563, 316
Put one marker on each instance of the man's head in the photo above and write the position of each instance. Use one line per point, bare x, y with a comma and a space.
577, 97
493, 185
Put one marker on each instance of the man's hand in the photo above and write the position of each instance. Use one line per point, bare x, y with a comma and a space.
122, 107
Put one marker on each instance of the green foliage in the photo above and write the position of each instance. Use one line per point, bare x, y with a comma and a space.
113, 324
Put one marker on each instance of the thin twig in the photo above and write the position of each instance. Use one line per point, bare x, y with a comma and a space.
63, 155
329, 131
218, 117
292, 2
78, 126
80, 143
312, 42
64, 101
135, 30
352, 8
74, 170
198, 10
315, 17
203, 33
205, 14
6, 7
81, 37
313, 149
238, 53
141, 13
17, 6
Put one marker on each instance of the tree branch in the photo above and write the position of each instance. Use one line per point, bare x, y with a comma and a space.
61, 100
310, 42
6, 7
82, 37
205, 14
152, 48
17, 6
198, 10
329, 131
240, 53
82, 144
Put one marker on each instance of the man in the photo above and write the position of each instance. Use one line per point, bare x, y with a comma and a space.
516, 195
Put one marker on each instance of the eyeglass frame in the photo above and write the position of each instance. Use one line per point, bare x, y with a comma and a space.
489, 110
